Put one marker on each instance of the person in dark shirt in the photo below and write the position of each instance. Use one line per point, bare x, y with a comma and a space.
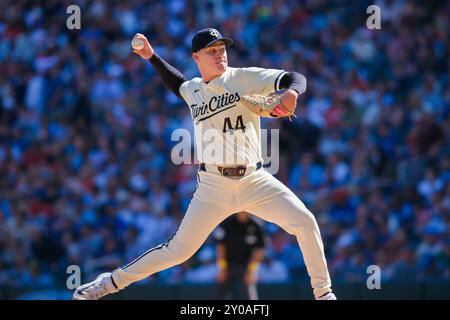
240, 249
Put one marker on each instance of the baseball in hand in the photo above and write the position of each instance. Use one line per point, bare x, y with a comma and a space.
137, 44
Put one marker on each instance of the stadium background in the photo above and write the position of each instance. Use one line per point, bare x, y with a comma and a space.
85, 172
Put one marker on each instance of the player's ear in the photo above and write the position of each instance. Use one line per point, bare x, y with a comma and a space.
195, 56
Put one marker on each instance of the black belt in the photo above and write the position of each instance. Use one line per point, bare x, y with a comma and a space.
238, 171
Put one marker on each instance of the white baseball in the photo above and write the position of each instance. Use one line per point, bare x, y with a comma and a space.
137, 44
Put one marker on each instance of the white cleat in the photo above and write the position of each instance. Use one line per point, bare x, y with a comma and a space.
327, 296
100, 287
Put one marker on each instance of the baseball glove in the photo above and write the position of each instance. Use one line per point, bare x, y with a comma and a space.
267, 106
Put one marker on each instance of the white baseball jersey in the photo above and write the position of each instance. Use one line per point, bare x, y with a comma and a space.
226, 132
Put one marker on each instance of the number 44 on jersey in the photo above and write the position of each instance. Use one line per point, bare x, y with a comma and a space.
228, 126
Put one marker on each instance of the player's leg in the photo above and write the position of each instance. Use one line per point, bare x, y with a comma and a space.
271, 200
206, 210
200, 220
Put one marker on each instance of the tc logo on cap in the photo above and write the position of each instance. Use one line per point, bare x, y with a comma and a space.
207, 37
214, 33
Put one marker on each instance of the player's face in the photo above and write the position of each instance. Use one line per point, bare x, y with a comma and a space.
216, 57
212, 61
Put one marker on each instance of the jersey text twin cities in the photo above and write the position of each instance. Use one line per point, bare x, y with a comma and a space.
215, 103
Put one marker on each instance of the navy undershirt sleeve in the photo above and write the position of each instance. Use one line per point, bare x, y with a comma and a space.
294, 81
171, 77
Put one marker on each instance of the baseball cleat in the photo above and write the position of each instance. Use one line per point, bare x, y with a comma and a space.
327, 296
100, 287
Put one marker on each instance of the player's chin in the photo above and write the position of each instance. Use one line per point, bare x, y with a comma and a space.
222, 66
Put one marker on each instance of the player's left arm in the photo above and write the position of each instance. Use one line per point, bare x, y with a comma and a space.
295, 83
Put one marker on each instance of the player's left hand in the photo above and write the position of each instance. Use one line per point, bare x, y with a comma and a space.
272, 106
289, 100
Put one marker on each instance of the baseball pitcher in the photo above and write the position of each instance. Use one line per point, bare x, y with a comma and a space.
226, 105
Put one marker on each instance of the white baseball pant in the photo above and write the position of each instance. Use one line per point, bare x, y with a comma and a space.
216, 198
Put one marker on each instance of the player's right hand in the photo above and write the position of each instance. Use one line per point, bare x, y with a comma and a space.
147, 51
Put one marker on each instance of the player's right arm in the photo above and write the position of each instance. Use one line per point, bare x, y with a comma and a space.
171, 77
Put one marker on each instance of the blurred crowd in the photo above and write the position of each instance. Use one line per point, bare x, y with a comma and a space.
86, 176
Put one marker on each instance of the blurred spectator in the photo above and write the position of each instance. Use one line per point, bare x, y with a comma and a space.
207, 271
273, 271
429, 185
85, 133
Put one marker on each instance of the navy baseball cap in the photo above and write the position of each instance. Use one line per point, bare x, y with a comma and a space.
207, 37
